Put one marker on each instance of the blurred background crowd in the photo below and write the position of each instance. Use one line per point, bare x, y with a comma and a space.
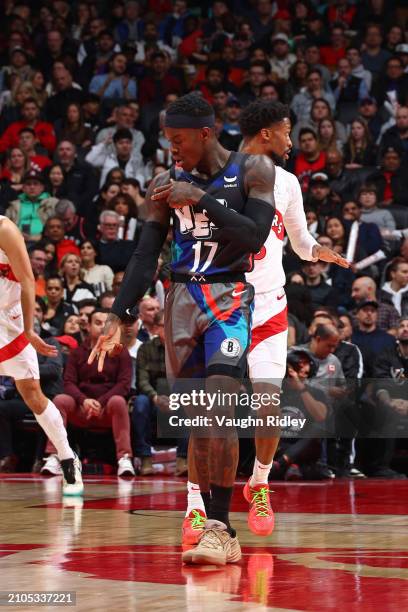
83, 88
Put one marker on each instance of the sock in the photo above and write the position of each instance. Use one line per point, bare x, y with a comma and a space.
220, 504
260, 473
51, 422
195, 500
206, 495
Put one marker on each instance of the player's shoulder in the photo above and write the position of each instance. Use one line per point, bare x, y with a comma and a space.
255, 161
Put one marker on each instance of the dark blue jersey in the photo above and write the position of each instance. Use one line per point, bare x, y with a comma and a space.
198, 245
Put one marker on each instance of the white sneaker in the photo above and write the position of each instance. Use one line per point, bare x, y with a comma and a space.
72, 477
125, 466
52, 466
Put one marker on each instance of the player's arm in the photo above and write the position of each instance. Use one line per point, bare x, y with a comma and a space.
12, 243
250, 229
139, 272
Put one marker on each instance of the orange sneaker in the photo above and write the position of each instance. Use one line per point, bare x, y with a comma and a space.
193, 527
260, 517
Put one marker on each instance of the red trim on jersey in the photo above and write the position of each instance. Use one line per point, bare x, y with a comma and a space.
275, 325
212, 304
7, 272
13, 348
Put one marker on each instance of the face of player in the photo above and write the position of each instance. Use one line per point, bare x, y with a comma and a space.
280, 142
187, 146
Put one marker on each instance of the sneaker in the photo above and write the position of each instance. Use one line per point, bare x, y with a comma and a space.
52, 466
355, 473
216, 546
193, 527
147, 468
125, 466
72, 477
293, 473
260, 517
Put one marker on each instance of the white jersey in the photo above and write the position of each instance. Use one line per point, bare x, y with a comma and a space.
268, 273
10, 289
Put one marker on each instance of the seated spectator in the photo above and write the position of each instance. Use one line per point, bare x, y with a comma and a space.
75, 289
159, 83
230, 136
369, 112
327, 135
132, 187
43, 131
112, 251
85, 309
13, 171
117, 281
14, 409
124, 119
297, 79
364, 289
131, 27
321, 199
392, 86
125, 207
374, 56
320, 110
148, 309
370, 339
54, 231
258, 73
71, 328
345, 183
151, 384
331, 54
97, 62
353, 55
130, 341
117, 84
38, 260
74, 129
55, 180
124, 156
359, 150
66, 93
348, 91
394, 291
391, 180
96, 400
281, 59
80, 181
27, 142
397, 136
302, 102
99, 277
106, 300
33, 207
76, 228
370, 213
57, 309
321, 293
309, 159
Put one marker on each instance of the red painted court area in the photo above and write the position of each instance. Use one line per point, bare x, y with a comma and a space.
338, 544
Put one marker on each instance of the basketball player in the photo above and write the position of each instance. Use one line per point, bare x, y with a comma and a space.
222, 205
266, 130
19, 344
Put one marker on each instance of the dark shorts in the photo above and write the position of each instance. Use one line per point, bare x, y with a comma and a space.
208, 329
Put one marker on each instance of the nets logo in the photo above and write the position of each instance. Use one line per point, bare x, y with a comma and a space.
197, 223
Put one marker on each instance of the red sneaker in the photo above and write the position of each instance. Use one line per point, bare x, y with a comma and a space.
260, 517
193, 527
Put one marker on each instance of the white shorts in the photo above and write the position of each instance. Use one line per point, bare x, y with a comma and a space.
269, 345
18, 358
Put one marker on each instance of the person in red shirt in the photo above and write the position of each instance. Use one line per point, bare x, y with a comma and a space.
310, 159
27, 141
44, 131
54, 230
96, 400
329, 56
159, 83
341, 11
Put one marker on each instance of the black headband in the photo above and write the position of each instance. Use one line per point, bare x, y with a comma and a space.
188, 122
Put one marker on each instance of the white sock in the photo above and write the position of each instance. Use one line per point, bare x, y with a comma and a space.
53, 425
260, 473
194, 499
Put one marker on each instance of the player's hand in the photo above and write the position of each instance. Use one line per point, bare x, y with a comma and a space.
178, 194
39, 345
323, 253
108, 342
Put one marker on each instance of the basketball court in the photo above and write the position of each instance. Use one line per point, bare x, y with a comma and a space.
340, 543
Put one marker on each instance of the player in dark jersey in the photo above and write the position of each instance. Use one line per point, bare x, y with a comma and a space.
222, 206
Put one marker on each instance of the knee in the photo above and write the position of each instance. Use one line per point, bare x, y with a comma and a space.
64, 402
117, 404
33, 396
141, 405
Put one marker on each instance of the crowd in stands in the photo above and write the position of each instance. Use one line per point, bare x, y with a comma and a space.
83, 89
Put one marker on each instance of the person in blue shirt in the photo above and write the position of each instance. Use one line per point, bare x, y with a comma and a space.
117, 83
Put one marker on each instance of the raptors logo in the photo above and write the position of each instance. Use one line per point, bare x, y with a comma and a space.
277, 225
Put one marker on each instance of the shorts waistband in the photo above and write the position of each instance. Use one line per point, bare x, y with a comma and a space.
198, 277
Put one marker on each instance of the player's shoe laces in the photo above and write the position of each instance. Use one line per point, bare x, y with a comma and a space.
261, 519
72, 477
52, 466
193, 526
216, 546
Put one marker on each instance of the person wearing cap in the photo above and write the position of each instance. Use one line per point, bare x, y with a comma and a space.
370, 339
402, 52
391, 179
320, 197
282, 59
231, 136
368, 110
397, 136
365, 288
30, 113
33, 206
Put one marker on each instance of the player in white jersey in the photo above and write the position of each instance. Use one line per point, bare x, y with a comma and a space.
19, 343
266, 130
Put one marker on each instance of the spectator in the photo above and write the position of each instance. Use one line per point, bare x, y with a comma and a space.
38, 260
43, 131
131, 26
345, 183
85, 309
374, 56
117, 83
75, 289
397, 136
76, 228
80, 181
364, 289
370, 339
348, 91
369, 112
99, 277
258, 73
302, 102
309, 159
359, 151
55, 180
33, 207
281, 60
262, 20
123, 116
370, 213
27, 142
320, 110
54, 231
125, 207
130, 341
132, 188
312, 57
57, 309
393, 86
96, 400
321, 293
390, 180
159, 83
117, 281
65, 93
357, 69
74, 129
113, 251
395, 289
327, 135
330, 55
321, 199
97, 62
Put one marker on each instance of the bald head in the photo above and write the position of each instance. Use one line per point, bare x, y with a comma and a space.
363, 288
324, 340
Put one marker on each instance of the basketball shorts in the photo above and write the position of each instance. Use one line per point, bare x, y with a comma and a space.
18, 359
208, 329
267, 354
